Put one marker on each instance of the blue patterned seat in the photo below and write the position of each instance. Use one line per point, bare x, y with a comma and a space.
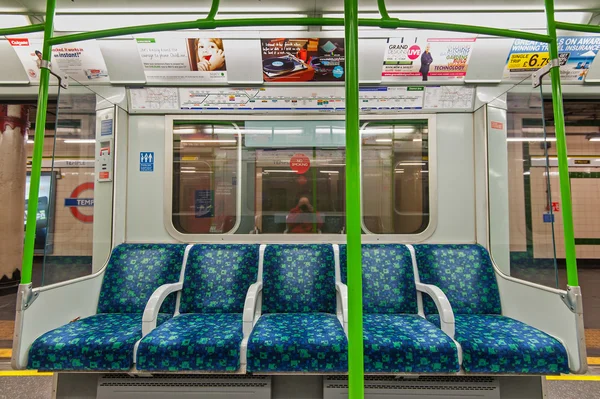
491, 343
396, 338
298, 330
207, 335
105, 341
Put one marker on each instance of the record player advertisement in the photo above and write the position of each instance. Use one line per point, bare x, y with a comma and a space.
303, 60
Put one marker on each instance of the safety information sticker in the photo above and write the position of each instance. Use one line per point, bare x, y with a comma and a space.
146, 162
575, 54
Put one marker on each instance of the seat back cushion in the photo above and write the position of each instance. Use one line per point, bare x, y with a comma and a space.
464, 272
298, 279
388, 278
134, 271
344, 263
217, 277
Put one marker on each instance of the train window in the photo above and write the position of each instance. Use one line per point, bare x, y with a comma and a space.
206, 159
300, 190
395, 165
288, 177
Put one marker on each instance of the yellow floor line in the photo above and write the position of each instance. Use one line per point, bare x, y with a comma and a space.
573, 377
23, 373
6, 353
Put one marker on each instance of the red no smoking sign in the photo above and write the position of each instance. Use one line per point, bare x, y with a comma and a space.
300, 163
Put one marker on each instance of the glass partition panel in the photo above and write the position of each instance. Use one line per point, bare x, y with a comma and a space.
522, 204
69, 162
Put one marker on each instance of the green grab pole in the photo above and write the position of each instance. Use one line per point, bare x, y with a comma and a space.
389, 23
577, 27
214, 9
382, 9
38, 148
356, 377
561, 151
22, 29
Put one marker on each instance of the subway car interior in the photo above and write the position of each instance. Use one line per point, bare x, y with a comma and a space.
312, 199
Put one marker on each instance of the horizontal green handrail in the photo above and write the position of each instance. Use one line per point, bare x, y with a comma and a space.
22, 29
389, 23
577, 27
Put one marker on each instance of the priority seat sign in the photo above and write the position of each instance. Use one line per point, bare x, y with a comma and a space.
146, 161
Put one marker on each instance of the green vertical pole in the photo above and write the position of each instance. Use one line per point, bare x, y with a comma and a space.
38, 148
561, 149
355, 327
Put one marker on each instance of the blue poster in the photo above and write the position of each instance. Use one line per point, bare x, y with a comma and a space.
575, 54
203, 204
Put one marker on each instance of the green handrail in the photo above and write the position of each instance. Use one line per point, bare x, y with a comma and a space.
22, 29
382, 9
356, 387
561, 151
214, 9
577, 27
388, 23
38, 148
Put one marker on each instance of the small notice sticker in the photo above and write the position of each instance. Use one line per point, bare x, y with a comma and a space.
497, 125
146, 161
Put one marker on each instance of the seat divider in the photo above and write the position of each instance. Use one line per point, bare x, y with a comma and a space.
182, 277
413, 256
252, 309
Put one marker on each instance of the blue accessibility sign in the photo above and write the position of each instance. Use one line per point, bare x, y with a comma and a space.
146, 161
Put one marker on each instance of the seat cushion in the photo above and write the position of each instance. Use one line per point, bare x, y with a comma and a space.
193, 342
103, 342
134, 271
217, 277
388, 278
464, 272
299, 279
313, 342
498, 344
406, 344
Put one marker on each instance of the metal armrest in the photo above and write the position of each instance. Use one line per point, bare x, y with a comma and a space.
342, 304
250, 308
154, 303
443, 306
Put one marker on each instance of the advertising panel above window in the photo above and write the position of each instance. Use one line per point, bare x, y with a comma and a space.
303, 60
183, 59
426, 59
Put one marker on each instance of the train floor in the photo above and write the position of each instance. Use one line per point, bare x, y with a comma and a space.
41, 387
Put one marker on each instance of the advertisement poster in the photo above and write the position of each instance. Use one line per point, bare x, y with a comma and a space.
575, 54
303, 60
81, 61
425, 59
183, 60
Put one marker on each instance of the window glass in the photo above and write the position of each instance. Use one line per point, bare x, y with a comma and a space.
288, 177
395, 166
205, 160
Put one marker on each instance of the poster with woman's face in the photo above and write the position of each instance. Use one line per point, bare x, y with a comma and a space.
183, 60
206, 54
